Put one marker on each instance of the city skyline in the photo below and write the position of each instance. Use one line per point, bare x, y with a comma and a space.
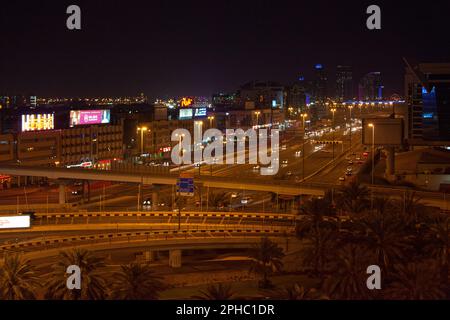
185, 49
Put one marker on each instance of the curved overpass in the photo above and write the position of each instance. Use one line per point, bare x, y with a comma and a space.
231, 238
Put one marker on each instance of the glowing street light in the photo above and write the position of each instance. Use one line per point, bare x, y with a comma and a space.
303, 115
257, 113
210, 118
142, 130
333, 110
371, 125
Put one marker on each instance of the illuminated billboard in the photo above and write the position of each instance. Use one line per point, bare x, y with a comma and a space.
200, 112
36, 122
185, 114
86, 117
13, 222
186, 102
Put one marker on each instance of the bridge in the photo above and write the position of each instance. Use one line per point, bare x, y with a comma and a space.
174, 241
280, 187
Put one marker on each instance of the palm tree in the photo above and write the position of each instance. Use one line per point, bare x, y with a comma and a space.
136, 282
18, 280
266, 260
92, 283
298, 292
319, 227
218, 199
354, 198
415, 281
385, 237
410, 207
439, 247
216, 292
348, 279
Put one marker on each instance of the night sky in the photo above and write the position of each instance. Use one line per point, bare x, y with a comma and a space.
170, 48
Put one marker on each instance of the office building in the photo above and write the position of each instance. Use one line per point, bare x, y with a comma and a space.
370, 87
427, 92
344, 83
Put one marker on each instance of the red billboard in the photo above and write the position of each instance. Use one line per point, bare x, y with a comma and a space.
86, 117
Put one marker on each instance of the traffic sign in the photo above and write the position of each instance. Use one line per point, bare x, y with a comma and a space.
185, 185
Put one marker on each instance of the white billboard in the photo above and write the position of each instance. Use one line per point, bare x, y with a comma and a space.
13, 222
37, 122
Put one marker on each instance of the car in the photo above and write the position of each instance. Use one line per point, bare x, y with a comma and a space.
289, 173
350, 162
147, 202
358, 158
283, 147
298, 154
341, 178
76, 192
245, 200
365, 154
348, 173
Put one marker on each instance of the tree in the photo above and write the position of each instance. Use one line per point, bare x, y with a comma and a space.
298, 292
439, 248
136, 282
216, 292
266, 259
217, 200
18, 279
353, 198
319, 227
348, 279
92, 283
385, 237
415, 281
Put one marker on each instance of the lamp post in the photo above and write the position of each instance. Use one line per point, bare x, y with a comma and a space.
350, 108
210, 118
199, 126
257, 113
142, 130
371, 125
303, 115
333, 110
180, 153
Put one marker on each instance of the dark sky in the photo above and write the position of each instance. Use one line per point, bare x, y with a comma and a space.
172, 48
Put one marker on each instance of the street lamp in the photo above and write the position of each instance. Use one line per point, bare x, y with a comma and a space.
333, 110
142, 130
210, 118
257, 113
350, 107
371, 125
181, 152
303, 115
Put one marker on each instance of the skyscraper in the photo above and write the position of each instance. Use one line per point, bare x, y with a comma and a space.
319, 92
427, 91
344, 83
370, 87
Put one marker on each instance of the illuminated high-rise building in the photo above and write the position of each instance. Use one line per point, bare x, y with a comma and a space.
344, 83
